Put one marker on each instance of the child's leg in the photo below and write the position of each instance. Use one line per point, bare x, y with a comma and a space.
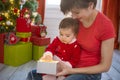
48, 77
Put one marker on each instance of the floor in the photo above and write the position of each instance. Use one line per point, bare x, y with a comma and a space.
20, 73
114, 72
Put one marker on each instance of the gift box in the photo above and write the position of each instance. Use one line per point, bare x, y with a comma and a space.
2, 36
25, 39
23, 34
40, 41
38, 51
38, 30
18, 54
35, 30
23, 25
47, 67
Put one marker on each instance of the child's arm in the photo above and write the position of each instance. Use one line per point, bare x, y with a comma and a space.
50, 50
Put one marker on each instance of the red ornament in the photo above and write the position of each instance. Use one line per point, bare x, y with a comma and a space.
24, 11
1, 18
4, 1
11, 38
15, 10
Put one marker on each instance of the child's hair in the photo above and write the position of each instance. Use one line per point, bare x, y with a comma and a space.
68, 23
67, 5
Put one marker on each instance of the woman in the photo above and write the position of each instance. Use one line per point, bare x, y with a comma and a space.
96, 38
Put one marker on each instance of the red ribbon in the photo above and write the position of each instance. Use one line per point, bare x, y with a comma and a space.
25, 39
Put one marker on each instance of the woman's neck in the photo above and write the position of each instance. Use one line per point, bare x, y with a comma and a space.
89, 21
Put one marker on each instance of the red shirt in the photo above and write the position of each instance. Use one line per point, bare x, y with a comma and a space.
66, 52
90, 40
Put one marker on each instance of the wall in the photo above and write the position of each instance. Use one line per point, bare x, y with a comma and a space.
52, 19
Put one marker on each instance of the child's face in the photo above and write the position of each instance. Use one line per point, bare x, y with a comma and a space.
66, 35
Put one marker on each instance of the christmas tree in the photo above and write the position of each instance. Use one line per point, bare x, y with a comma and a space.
10, 10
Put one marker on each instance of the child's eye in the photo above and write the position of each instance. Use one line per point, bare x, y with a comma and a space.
67, 36
77, 13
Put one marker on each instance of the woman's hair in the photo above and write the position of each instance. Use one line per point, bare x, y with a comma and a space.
70, 23
67, 5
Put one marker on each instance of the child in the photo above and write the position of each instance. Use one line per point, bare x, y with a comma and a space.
64, 47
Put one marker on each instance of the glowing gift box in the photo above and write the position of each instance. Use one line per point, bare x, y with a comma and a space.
47, 67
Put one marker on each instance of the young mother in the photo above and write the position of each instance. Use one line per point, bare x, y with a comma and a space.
96, 38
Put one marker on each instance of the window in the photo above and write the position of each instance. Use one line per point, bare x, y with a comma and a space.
53, 2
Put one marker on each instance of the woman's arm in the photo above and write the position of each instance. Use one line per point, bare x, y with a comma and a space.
107, 47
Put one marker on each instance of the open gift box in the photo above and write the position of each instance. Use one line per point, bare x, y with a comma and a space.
47, 67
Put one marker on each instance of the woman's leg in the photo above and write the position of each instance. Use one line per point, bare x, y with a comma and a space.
75, 77
33, 75
93, 77
83, 77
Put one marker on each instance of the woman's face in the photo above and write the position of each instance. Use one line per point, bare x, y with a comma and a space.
82, 14
66, 35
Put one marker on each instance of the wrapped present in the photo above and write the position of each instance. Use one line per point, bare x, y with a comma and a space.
40, 41
39, 31
23, 34
18, 54
23, 25
38, 51
2, 36
25, 39
1, 53
35, 30
47, 67
43, 32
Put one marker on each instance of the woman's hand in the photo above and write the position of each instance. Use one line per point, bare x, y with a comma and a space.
64, 69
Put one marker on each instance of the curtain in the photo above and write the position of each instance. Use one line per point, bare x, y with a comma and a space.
41, 8
111, 9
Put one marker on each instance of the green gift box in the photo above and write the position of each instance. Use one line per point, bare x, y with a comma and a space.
18, 54
38, 51
23, 34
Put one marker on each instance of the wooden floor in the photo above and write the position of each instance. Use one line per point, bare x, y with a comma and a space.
20, 73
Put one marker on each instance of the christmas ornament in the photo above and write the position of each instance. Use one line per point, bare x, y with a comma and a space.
3, 1
43, 32
22, 2
1, 18
11, 38
8, 23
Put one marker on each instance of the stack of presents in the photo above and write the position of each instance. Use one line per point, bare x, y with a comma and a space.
26, 44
